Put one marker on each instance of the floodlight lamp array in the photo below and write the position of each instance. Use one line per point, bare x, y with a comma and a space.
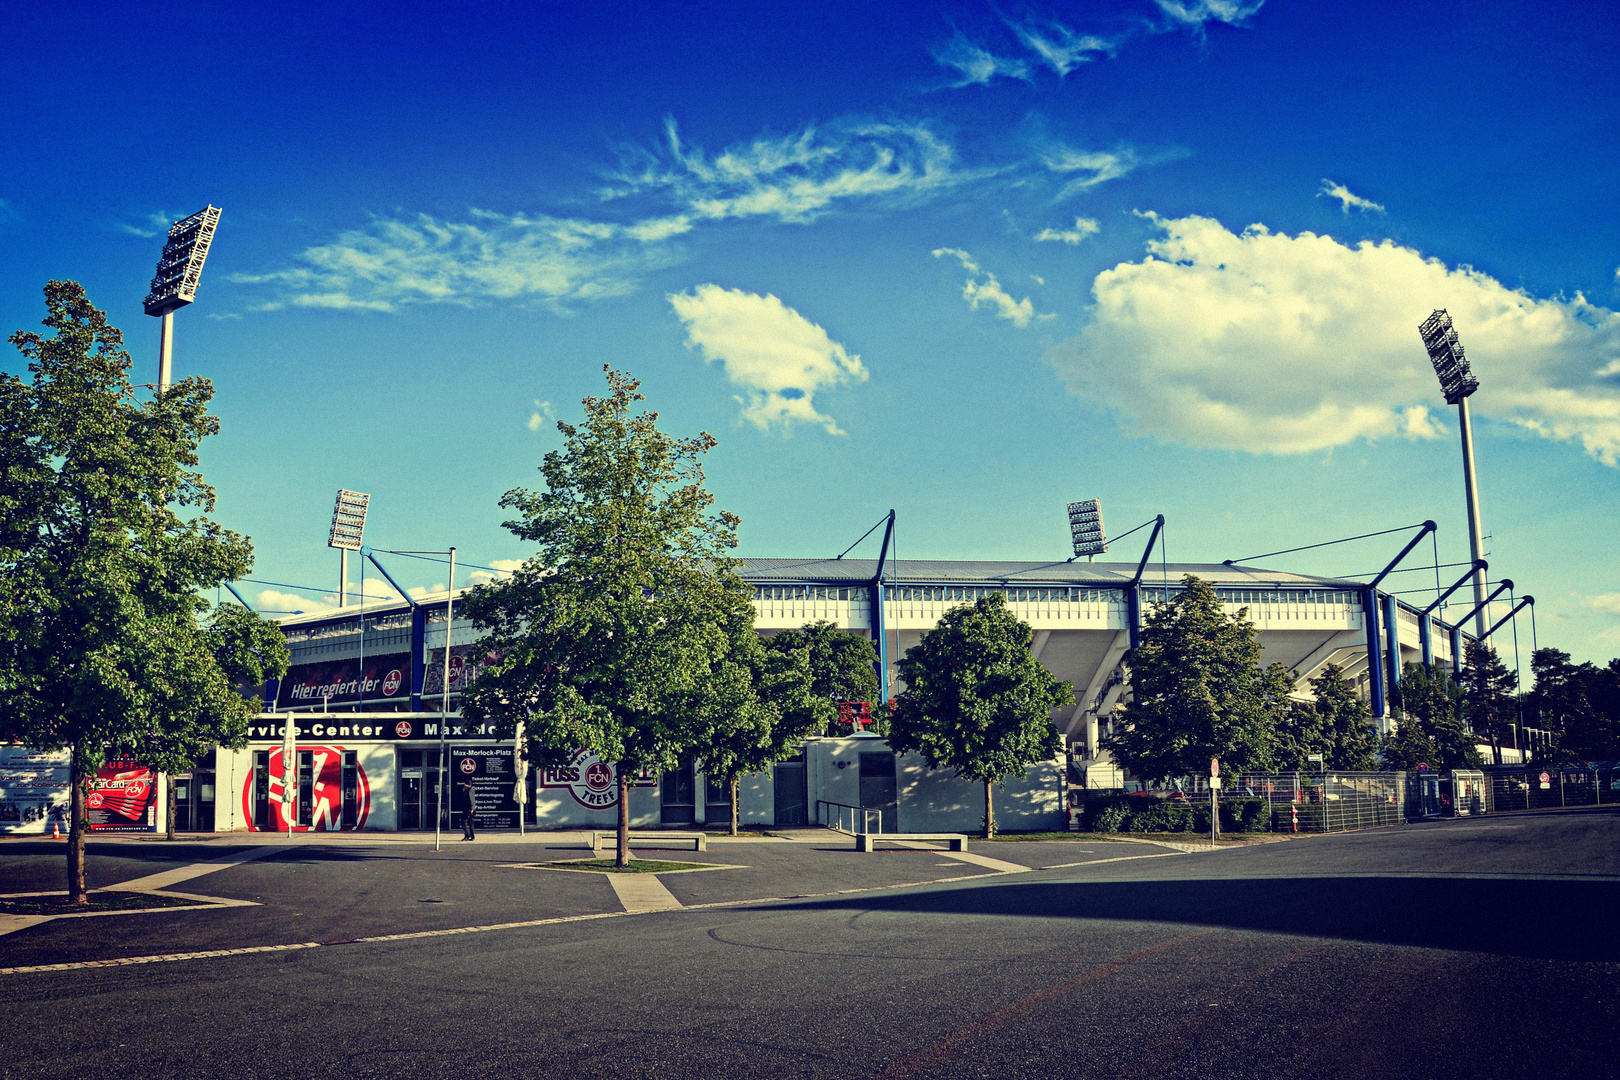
1086, 527
1446, 353
348, 520
180, 267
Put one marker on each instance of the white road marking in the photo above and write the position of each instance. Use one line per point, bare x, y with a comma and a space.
166, 878
976, 859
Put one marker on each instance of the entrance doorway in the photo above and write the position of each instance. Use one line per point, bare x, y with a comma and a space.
676, 795
790, 791
194, 797
878, 787
419, 789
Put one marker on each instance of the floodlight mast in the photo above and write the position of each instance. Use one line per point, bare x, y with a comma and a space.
1457, 382
175, 284
1086, 528
348, 527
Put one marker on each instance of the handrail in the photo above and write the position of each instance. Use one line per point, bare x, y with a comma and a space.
837, 823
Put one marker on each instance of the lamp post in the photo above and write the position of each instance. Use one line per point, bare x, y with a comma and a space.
1457, 382
348, 526
175, 284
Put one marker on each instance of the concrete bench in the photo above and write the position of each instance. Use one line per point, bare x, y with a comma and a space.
603, 838
869, 841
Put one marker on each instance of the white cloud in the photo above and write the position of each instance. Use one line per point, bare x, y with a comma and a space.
155, 224
1094, 166
273, 602
1607, 603
1195, 13
1265, 342
983, 288
776, 356
394, 263
1347, 198
1083, 227
976, 65
794, 178
1060, 48
542, 416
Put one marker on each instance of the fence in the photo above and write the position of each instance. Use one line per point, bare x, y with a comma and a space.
1328, 802
1536, 788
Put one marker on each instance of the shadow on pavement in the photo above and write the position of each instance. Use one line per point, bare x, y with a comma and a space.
1555, 920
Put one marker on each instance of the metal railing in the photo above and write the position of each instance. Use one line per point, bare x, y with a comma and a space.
834, 814
1328, 801
1524, 789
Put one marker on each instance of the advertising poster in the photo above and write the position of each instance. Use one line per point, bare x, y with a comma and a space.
466, 661
387, 677
33, 790
123, 798
490, 770
320, 783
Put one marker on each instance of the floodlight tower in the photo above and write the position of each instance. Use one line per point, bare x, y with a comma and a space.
1086, 528
1457, 382
348, 526
175, 285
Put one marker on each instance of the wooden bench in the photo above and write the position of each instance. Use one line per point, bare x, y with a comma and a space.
869, 841
609, 838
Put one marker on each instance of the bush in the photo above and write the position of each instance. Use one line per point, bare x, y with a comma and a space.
1244, 815
1161, 815
1105, 813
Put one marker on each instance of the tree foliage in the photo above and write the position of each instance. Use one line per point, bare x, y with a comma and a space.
1579, 704
976, 700
1429, 726
1490, 696
1336, 723
619, 635
842, 664
105, 545
1198, 692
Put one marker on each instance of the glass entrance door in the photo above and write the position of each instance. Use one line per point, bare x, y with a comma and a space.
418, 788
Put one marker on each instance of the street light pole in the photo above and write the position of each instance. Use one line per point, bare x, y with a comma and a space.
1457, 382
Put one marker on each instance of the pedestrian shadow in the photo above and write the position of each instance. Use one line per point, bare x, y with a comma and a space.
1570, 919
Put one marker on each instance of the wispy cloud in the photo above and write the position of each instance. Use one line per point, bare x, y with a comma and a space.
1060, 48
1270, 343
793, 178
1607, 603
1083, 227
393, 263
542, 415
976, 65
983, 288
1089, 167
1196, 13
155, 224
779, 358
1347, 198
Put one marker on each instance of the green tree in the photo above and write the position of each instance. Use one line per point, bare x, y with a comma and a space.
976, 700
1336, 724
615, 636
106, 646
763, 711
1566, 701
843, 666
1197, 692
1429, 727
1490, 696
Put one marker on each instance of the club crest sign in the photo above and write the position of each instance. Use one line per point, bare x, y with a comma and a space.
591, 781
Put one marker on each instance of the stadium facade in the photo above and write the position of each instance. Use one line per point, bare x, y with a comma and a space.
371, 706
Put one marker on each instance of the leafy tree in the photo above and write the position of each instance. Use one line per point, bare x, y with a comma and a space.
843, 666
1197, 692
1430, 729
1490, 696
976, 700
615, 637
764, 710
1337, 724
104, 648
1568, 701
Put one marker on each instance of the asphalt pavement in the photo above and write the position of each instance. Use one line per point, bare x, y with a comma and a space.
1473, 948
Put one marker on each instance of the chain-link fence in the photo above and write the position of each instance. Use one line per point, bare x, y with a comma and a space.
1536, 788
1328, 802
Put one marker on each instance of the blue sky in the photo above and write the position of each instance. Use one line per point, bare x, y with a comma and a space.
963, 260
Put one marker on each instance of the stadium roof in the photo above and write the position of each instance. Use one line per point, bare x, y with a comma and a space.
985, 572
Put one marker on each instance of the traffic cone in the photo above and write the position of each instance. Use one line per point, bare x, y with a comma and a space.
56, 830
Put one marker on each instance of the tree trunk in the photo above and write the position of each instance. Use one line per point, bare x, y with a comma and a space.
734, 782
623, 859
76, 829
169, 806
989, 812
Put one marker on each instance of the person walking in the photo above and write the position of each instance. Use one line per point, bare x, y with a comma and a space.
470, 803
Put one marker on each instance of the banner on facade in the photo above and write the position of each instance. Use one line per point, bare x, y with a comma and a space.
123, 798
33, 789
466, 661
322, 787
591, 781
386, 677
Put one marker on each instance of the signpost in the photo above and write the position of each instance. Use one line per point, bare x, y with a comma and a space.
1214, 804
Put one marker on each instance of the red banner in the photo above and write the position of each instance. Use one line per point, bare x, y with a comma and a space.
123, 798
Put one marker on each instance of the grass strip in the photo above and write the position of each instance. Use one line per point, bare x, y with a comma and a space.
60, 904
637, 866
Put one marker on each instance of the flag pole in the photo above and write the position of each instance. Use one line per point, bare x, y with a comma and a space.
444, 702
